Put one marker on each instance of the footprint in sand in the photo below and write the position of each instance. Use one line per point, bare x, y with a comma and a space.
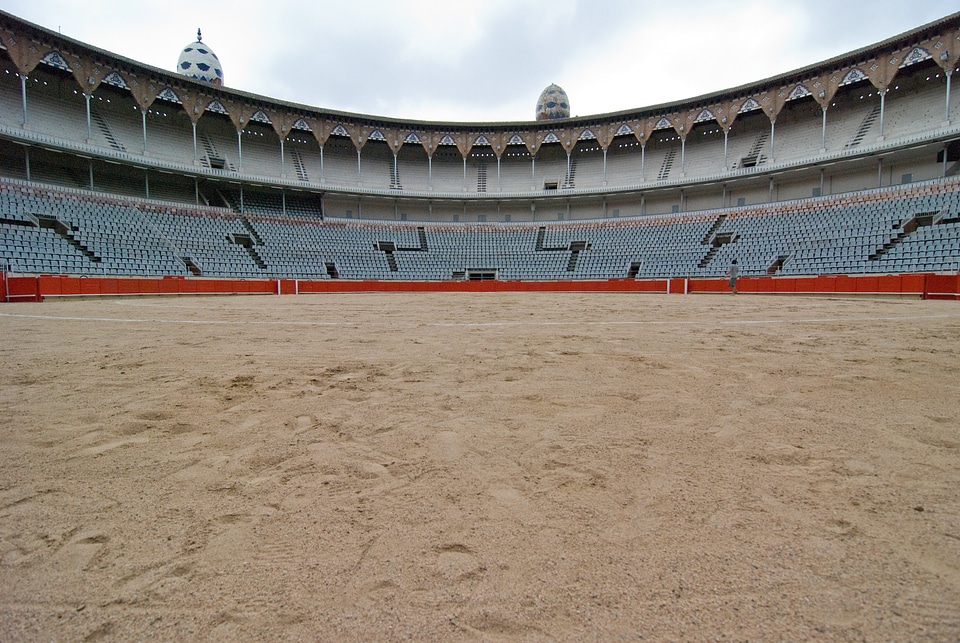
447, 445
109, 446
457, 562
510, 502
80, 550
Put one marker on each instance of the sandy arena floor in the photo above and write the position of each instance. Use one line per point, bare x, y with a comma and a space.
480, 467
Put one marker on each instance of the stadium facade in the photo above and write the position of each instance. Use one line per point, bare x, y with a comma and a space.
112, 169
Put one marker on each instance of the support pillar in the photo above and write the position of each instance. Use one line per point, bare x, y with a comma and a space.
726, 161
773, 131
883, 96
946, 118
823, 131
23, 94
86, 96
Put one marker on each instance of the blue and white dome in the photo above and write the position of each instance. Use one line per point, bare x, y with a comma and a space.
553, 103
198, 61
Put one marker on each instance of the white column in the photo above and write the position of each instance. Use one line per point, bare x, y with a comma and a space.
643, 161
773, 154
883, 96
823, 132
89, 127
239, 151
726, 162
23, 93
604, 171
949, 73
196, 155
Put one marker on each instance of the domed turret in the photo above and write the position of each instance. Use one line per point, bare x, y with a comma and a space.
553, 103
198, 61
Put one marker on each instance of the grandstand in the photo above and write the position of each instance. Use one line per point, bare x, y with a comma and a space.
112, 169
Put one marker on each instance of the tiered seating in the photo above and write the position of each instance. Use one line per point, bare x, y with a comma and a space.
412, 166
339, 163
914, 105
205, 240
858, 233
375, 167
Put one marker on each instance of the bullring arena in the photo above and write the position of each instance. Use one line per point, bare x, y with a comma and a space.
278, 373
481, 466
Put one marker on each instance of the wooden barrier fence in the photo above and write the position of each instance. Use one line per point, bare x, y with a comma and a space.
38, 287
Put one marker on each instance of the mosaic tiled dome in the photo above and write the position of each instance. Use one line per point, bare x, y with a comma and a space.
198, 61
553, 103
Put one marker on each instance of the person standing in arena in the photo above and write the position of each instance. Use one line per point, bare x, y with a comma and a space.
733, 272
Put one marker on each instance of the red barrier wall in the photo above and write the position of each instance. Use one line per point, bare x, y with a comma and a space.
942, 287
35, 288
23, 289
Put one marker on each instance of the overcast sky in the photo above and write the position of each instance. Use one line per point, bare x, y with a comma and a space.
485, 61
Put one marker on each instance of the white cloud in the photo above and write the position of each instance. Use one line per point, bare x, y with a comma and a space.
675, 57
442, 60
